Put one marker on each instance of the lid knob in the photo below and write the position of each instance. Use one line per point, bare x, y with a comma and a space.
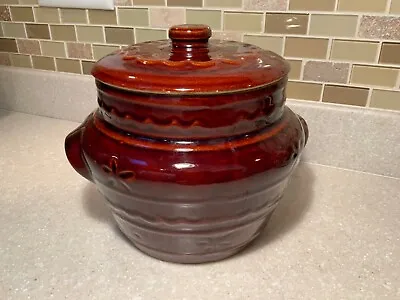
190, 42
190, 32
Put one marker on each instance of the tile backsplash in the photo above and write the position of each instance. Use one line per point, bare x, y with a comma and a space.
341, 51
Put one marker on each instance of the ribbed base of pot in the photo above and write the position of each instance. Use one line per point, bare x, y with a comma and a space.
195, 224
219, 250
190, 258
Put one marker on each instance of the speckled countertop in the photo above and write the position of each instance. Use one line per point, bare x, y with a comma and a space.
335, 235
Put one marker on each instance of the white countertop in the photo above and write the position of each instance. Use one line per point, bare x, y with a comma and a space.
336, 235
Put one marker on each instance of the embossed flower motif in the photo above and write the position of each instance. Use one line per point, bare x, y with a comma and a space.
123, 175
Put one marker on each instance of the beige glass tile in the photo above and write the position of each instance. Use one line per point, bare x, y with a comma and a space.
227, 35
106, 17
306, 47
79, 50
118, 35
165, 17
345, 95
50, 48
286, 23
376, 76
211, 17
186, 3
390, 53
5, 59
272, 43
247, 22
20, 60
14, 30
223, 3
149, 2
63, 32
331, 25
28, 46
144, 35
123, 2
8, 45
94, 34
99, 51
47, 15
68, 65
22, 14
324, 5
380, 27
354, 50
133, 16
295, 68
43, 63
326, 71
38, 31
265, 5
362, 5
304, 91
395, 7
73, 15
385, 99
4, 13
34, 2
87, 67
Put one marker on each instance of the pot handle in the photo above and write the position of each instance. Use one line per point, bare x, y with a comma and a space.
305, 128
73, 150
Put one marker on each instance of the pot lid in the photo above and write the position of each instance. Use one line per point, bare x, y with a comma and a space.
190, 63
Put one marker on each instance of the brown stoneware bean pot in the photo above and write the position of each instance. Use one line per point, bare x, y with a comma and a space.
191, 144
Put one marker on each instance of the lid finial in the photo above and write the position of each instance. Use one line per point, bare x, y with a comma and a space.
190, 32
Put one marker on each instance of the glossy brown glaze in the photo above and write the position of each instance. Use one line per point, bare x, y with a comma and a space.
190, 176
190, 63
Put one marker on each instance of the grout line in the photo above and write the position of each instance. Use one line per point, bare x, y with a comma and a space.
87, 16
337, 5
350, 73
303, 64
322, 92
309, 24
264, 22
345, 38
80, 66
358, 25
103, 28
398, 81
329, 50
116, 10
35, 20
362, 63
353, 85
66, 49
369, 98
241, 9
388, 6
40, 48
376, 61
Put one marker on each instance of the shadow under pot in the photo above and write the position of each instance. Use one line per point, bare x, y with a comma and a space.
191, 144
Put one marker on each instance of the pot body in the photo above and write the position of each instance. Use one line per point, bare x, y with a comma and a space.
190, 179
